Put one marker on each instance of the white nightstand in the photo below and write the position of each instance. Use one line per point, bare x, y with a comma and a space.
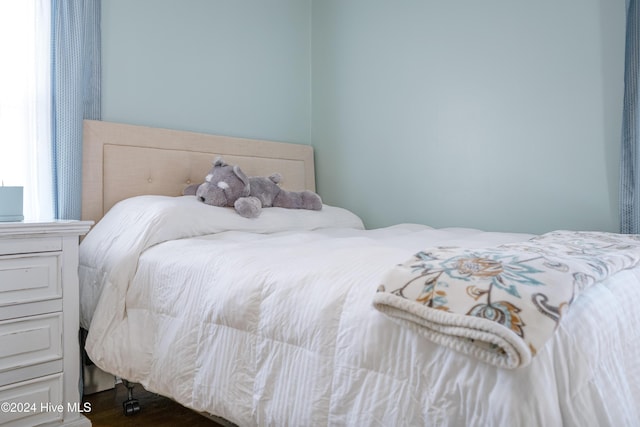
39, 306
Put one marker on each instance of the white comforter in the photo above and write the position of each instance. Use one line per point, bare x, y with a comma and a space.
270, 322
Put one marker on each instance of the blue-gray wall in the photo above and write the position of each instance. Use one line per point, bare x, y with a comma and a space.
233, 67
499, 115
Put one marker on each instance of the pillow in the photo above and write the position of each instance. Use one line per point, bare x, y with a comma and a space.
109, 253
155, 219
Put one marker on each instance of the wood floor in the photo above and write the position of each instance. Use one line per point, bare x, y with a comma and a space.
156, 411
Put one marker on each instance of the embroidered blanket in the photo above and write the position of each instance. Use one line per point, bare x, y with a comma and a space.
501, 304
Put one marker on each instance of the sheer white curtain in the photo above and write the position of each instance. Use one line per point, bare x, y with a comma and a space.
25, 102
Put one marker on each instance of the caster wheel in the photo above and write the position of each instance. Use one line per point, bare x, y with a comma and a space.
131, 407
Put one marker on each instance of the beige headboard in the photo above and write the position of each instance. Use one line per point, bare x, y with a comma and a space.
122, 161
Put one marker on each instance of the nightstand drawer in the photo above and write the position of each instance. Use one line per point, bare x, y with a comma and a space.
29, 278
29, 341
32, 402
30, 245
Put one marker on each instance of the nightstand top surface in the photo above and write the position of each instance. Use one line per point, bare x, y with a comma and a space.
44, 227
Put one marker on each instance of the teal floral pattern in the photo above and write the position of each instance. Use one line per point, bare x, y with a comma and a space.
502, 304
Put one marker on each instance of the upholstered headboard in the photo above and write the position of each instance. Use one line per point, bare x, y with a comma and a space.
122, 161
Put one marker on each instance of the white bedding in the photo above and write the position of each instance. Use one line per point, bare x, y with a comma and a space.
270, 322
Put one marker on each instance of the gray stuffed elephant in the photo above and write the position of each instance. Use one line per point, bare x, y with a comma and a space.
226, 185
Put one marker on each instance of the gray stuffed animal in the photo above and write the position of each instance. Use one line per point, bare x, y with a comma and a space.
226, 186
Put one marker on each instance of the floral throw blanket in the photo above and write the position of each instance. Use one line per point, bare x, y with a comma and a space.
501, 304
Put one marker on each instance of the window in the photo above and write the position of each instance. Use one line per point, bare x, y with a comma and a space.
25, 102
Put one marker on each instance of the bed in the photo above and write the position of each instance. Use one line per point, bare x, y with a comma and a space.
306, 318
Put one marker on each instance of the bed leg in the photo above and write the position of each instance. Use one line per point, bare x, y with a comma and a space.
131, 406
